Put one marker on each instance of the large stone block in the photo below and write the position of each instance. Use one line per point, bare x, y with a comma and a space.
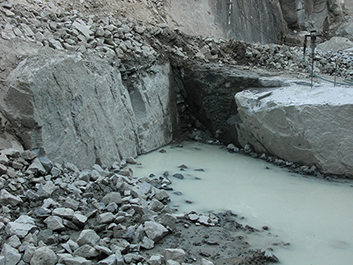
299, 124
80, 110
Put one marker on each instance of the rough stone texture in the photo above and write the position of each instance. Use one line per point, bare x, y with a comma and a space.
21, 226
209, 92
175, 254
8, 198
67, 101
88, 236
336, 44
12, 256
190, 17
154, 230
44, 256
297, 12
310, 127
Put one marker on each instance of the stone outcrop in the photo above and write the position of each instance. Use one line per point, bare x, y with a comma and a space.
300, 13
207, 95
309, 127
79, 109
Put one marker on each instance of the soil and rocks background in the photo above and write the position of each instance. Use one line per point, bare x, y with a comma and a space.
57, 213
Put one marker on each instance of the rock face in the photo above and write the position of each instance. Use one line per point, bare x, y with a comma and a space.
310, 127
297, 12
209, 93
58, 103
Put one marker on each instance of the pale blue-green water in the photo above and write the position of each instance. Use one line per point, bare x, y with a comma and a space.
315, 216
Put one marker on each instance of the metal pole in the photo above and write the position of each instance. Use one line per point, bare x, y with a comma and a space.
313, 44
230, 11
334, 83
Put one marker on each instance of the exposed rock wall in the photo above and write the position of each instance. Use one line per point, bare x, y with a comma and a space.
310, 127
79, 109
208, 94
309, 13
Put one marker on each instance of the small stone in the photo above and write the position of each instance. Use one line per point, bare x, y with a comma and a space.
175, 254
147, 243
112, 207
86, 251
79, 219
3, 169
12, 256
64, 212
14, 241
29, 252
54, 223
132, 257
44, 256
110, 260
41, 212
154, 230
7, 198
88, 236
71, 203
70, 260
203, 219
106, 218
155, 205
4, 160
47, 189
21, 226
55, 172
178, 176
131, 160
112, 197
169, 221
127, 172
47, 164
155, 260
36, 167
103, 249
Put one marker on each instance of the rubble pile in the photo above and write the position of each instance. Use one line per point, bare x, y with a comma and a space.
118, 39
52, 213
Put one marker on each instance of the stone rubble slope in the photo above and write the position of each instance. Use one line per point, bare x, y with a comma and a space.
56, 214
125, 39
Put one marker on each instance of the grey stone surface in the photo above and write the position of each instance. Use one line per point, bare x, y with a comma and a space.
44, 256
154, 230
7, 198
54, 223
117, 122
291, 127
64, 212
112, 197
86, 251
12, 256
21, 226
88, 236
174, 254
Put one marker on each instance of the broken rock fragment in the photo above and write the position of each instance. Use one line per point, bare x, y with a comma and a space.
154, 230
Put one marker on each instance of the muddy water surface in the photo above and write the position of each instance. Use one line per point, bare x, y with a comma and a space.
313, 215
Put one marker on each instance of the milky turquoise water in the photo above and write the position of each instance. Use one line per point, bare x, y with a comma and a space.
315, 216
